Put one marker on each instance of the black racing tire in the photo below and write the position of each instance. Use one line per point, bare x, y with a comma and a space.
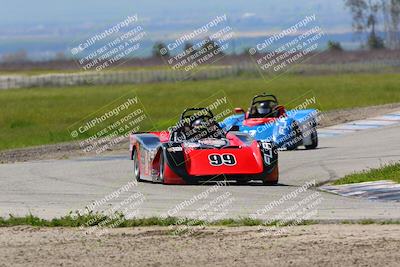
192, 182
298, 135
136, 166
242, 182
161, 174
270, 183
314, 140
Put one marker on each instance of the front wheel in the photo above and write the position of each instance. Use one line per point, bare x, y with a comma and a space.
162, 168
242, 182
136, 166
270, 182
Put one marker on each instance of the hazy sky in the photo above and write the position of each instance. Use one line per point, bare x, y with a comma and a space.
284, 12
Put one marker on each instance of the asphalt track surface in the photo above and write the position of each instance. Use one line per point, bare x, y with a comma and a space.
52, 188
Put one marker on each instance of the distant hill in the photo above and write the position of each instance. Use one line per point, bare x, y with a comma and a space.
44, 27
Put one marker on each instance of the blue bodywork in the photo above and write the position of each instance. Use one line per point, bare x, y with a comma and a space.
279, 131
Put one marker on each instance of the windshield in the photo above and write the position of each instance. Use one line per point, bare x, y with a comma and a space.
264, 109
198, 128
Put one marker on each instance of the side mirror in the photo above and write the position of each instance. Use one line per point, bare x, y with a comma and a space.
281, 111
239, 110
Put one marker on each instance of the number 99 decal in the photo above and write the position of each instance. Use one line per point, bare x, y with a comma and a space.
224, 159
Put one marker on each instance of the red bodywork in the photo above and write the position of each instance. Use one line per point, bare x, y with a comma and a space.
248, 156
248, 159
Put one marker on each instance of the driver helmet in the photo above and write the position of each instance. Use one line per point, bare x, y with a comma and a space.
264, 108
198, 124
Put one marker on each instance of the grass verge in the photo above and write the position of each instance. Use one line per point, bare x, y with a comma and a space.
387, 172
98, 220
31, 117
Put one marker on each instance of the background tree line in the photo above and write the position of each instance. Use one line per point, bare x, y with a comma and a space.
368, 14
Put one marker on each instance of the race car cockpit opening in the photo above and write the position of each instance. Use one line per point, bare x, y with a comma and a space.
264, 106
196, 124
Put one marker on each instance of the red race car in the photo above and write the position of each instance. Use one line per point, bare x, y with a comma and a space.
197, 149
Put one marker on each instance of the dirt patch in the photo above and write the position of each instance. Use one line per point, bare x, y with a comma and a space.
322, 245
56, 151
345, 115
72, 149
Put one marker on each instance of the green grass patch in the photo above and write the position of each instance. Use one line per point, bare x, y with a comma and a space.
181, 224
37, 116
387, 172
370, 221
119, 221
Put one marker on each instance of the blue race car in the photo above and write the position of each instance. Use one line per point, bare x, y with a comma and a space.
269, 121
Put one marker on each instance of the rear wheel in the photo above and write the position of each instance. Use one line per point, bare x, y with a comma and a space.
273, 177
296, 139
136, 165
314, 139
